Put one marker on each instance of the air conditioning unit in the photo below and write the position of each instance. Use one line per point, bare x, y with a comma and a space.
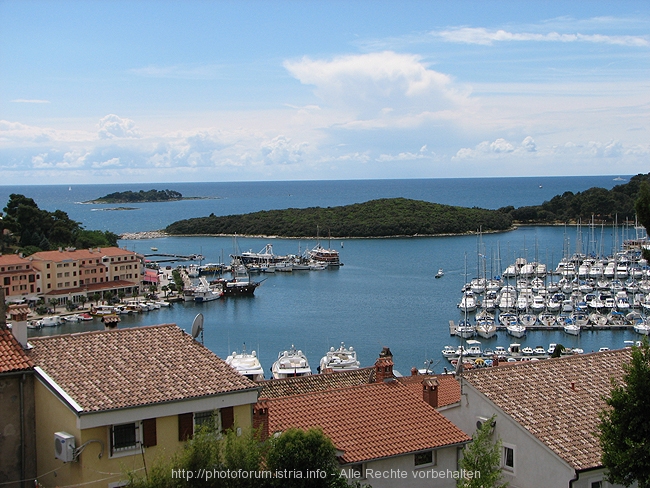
481, 420
64, 446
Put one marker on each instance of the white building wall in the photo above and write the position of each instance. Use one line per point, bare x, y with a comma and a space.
401, 472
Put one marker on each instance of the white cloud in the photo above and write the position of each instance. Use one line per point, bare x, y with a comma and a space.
26, 100
109, 163
480, 35
112, 126
384, 85
495, 148
529, 144
280, 150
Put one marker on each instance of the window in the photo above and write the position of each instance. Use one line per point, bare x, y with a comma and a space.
426, 458
124, 437
596, 484
208, 419
508, 458
356, 472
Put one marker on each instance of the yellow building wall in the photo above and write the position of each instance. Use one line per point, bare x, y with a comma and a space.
53, 416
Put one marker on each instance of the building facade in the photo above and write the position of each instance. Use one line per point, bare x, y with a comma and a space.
127, 397
18, 277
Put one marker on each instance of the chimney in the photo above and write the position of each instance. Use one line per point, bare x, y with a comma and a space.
430, 392
261, 420
414, 371
384, 366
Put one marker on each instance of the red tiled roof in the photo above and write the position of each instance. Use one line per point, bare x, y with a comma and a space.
11, 259
539, 396
367, 422
277, 388
12, 356
448, 387
104, 370
82, 254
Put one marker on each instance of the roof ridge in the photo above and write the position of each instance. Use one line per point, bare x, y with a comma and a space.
334, 389
95, 332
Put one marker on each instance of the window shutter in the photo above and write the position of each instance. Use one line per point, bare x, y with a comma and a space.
185, 426
149, 437
227, 418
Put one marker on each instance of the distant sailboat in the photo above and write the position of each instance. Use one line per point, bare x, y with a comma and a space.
69, 188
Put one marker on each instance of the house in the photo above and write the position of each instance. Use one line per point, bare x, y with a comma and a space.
68, 273
17, 425
546, 416
111, 399
386, 433
18, 278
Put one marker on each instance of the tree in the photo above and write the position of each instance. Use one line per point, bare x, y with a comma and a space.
82, 300
624, 428
96, 297
642, 205
121, 294
53, 302
301, 451
482, 455
165, 288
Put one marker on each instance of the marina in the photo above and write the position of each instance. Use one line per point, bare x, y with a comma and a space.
385, 295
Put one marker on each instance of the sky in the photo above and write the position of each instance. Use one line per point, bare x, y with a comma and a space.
103, 91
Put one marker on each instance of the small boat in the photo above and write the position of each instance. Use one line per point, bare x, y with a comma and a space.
449, 352
246, 364
465, 329
572, 329
341, 359
516, 330
474, 348
440, 273
291, 363
642, 328
154, 249
539, 351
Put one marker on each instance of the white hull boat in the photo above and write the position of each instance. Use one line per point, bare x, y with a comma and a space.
291, 363
246, 364
341, 359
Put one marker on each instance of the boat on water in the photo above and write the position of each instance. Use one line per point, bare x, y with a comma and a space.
240, 284
205, 293
291, 363
154, 249
440, 273
571, 328
246, 364
516, 330
465, 329
341, 359
642, 328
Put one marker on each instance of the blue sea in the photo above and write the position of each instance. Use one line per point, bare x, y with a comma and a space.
384, 295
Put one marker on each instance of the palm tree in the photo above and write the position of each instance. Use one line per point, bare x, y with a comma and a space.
165, 288
82, 300
121, 294
96, 298
53, 302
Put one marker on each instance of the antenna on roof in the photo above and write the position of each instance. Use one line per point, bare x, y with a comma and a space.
197, 327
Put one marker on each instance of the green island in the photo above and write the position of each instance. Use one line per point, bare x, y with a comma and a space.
142, 197
389, 217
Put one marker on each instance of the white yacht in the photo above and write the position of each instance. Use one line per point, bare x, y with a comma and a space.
341, 359
291, 363
246, 364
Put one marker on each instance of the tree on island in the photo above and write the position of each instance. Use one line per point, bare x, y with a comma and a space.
482, 455
624, 428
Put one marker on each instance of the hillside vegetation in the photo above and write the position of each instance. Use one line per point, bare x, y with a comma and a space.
139, 196
376, 218
26, 228
604, 205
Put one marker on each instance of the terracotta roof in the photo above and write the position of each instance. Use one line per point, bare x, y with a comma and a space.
317, 382
448, 387
539, 396
82, 254
12, 355
104, 370
367, 422
10, 259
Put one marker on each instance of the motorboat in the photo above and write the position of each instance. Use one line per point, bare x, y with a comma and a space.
246, 364
527, 351
473, 349
506, 319
572, 329
597, 318
440, 273
50, 321
290, 363
341, 359
551, 348
516, 330
642, 328
450, 352
206, 293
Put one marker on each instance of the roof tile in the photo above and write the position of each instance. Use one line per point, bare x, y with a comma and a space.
556, 400
104, 370
12, 356
368, 421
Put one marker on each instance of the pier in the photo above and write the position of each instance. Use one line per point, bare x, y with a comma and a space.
170, 258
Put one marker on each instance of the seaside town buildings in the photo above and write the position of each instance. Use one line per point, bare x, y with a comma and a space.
68, 273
